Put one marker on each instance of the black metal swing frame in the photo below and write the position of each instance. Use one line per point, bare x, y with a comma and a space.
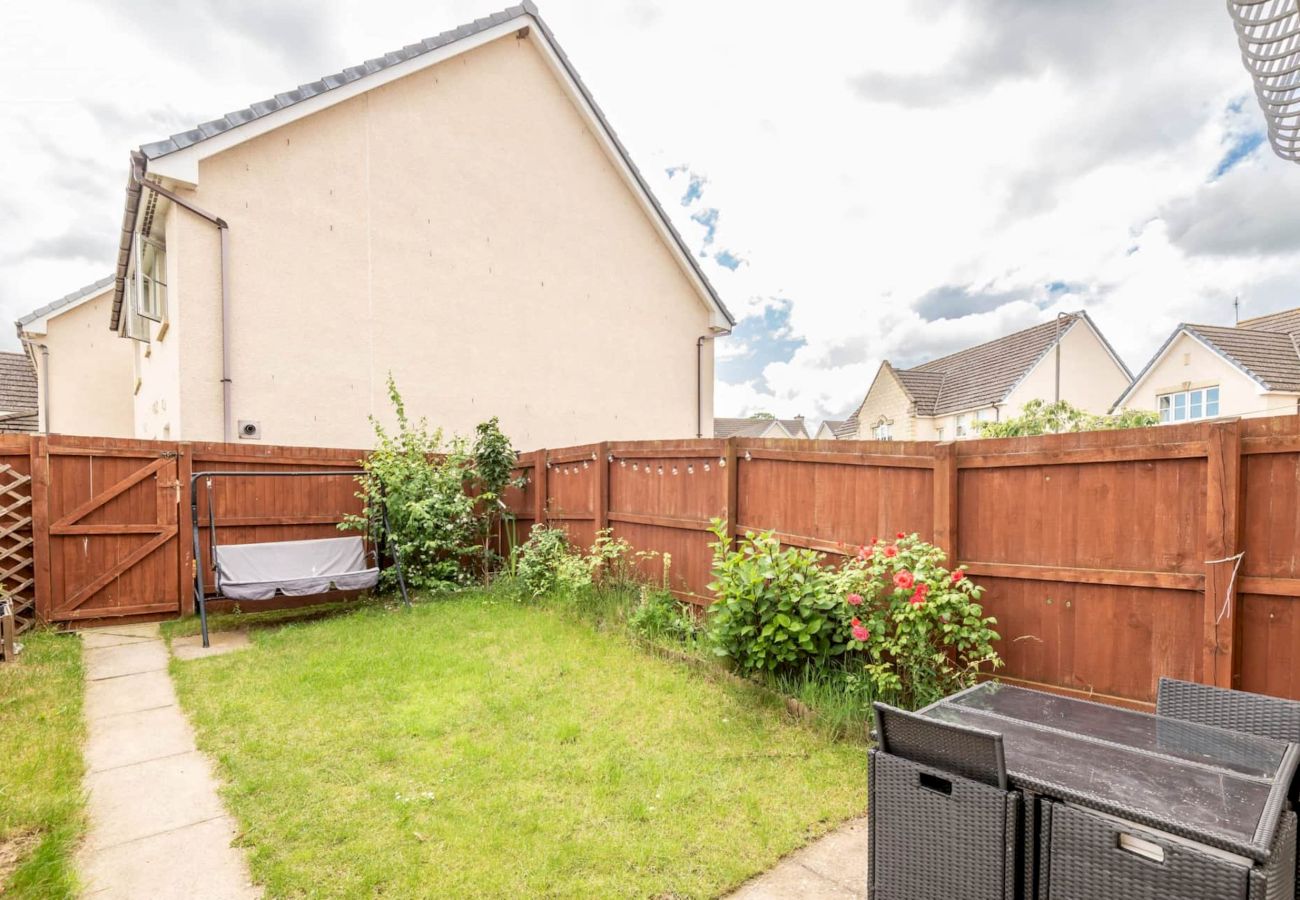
200, 597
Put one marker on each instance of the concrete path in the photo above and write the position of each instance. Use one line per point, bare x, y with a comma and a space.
832, 868
157, 826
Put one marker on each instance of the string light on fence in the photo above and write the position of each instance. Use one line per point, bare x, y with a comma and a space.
634, 467
610, 458
690, 468
706, 467
722, 462
674, 470
748, 458
661, 470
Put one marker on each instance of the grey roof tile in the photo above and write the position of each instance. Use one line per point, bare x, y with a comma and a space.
1269, 356
17, 383
724, 427
980, 375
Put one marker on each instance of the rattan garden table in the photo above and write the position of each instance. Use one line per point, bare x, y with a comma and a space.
1216, 797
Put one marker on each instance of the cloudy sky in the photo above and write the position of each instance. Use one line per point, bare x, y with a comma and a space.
863, 181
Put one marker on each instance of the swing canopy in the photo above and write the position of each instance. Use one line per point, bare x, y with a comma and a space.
293, 568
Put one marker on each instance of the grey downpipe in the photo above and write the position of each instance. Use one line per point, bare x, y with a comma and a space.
699, 379
223, 229
45, 384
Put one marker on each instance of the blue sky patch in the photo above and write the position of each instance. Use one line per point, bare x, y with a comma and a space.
767, 338
1242, 147
708, 217
728, 259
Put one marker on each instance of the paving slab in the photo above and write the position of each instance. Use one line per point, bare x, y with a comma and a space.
98, 639
191, 646
128, 694
152, 797
137, 737
125, 659
158, 828
195, 861
830, 868
141, 629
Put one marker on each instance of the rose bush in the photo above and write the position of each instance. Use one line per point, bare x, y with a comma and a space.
915, 627
928, 635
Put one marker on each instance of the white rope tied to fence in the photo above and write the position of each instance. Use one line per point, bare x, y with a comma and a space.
1227, 596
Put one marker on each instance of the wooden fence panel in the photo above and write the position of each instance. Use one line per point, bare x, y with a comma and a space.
254, 510
1269, 601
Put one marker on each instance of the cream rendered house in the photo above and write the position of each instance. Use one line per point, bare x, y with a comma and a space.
83, 371
1067, 358
458, 213
1207, 371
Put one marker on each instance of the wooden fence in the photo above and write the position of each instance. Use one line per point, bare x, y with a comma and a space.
1109, 558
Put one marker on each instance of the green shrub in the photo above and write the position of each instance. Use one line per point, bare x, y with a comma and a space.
659, 616
921, 626
442, 500
774, 610
547, 563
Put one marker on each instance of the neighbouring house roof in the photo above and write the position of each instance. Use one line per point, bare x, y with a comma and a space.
18, 411
1266, 349
987, 373
795, 427
832, 425
84, 293
725, 428
848, 428
280, 102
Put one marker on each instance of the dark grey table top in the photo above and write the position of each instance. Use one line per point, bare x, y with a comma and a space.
1223, 786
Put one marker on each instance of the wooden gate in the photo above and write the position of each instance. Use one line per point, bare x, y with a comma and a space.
110, 528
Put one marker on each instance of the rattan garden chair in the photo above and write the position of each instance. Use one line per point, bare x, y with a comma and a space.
942, 824
1241, 711
1205, 704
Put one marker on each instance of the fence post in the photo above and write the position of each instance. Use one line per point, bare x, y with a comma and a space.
1222, 622
945, 500
539, 487
731, 501
40, 462
600, 502
184, 527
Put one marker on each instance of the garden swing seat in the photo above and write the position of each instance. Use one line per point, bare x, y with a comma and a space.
297, 568
293, 568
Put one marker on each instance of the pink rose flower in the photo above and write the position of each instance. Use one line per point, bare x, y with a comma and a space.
904, 580
853, 599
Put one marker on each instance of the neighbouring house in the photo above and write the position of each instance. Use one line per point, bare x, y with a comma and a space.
826, 431
83, 370
18, 410
1067, 358
458, 213
1206, 371
762, 427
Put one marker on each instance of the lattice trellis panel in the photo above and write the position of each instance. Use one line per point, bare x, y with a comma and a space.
17, 577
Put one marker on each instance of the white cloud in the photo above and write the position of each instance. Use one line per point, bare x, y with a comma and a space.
862, 157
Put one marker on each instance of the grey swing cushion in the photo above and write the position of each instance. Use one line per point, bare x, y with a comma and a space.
294, 568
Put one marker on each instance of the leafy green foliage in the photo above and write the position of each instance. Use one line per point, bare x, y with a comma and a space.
1041, 417
922, 628
774, 610
441, 505
548, 563
659, 616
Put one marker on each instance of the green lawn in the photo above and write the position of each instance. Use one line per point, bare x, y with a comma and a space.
477, 748
41, 731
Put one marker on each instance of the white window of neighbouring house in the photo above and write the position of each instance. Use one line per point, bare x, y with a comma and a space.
961, 426
1188, 406
881, 431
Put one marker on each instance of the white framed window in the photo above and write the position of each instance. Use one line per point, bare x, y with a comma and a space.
1188, 406
153, 280
881, 431
961, 426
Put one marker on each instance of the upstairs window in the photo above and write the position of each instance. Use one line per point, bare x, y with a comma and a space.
881, 431
152, 280
1188, 406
